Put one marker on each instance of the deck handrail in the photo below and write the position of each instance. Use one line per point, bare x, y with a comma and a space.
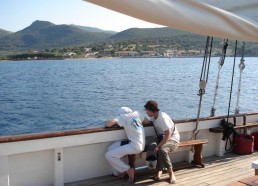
33, 136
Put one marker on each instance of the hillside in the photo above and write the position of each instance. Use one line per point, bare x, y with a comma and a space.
138, 33
162, 36
46, 36
4, 33
41, 35
93, 29
175, 39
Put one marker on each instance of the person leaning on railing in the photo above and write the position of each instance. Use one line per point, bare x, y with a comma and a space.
135, 144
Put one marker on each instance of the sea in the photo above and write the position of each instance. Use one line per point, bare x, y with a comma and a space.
52, 95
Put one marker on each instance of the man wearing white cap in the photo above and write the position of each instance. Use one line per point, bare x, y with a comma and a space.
132, 125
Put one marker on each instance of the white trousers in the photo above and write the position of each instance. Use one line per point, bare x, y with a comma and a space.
116, 152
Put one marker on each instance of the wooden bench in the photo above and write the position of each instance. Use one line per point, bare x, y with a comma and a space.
197, 145
220, 146
243, 126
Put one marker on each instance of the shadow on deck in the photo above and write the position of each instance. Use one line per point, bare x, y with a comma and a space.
218, 171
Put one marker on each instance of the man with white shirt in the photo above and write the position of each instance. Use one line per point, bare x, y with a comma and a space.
132, 125
167, 138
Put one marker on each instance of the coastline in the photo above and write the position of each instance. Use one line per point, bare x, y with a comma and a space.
95, 58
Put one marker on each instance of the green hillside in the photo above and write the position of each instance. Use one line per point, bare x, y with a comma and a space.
93, 29
138, 33
161, 36
170, 38
4, 33
46, 36
41, 35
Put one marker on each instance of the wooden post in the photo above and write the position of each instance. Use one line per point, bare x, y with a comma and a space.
198, 155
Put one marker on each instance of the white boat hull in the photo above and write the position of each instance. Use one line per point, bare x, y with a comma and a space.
63, 159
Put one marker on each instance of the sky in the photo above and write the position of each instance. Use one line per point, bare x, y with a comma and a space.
15, 15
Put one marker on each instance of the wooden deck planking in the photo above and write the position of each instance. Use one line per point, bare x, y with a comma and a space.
219, 171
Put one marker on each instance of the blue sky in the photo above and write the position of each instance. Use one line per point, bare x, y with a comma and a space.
18, 14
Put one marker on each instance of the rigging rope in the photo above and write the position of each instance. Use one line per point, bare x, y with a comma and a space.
228, 139
232, 80
203, 79
241, 68
220, 62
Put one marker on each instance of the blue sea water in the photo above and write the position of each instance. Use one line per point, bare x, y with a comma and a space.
52, 95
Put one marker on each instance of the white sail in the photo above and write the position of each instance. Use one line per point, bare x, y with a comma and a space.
231, 19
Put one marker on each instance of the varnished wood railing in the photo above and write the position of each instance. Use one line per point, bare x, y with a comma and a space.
33, 136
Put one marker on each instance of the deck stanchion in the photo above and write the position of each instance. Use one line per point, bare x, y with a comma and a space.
59, 167
4, 171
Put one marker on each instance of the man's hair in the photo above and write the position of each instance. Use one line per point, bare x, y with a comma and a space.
152, 106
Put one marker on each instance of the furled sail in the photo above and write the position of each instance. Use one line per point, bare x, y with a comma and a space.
231, 19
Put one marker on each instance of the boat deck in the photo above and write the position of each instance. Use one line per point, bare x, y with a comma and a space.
218, 171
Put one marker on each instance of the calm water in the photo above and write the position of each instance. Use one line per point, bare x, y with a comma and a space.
40, 96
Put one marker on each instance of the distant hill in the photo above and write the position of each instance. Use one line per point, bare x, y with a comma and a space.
160, 36
138, 33
42, 35
4, 33
93, 29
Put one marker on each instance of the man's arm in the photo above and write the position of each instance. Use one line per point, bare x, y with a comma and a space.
110, 123
146, 122
167, 136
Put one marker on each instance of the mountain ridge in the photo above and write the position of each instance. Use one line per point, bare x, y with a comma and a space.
41, 35
44, 35
93, 29
4, 33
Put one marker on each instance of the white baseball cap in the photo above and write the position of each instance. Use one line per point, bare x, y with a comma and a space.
124, 110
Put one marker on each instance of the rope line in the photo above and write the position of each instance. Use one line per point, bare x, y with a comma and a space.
241, 68
203, 80
221, 63
207, 75
232, 80
229, 127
